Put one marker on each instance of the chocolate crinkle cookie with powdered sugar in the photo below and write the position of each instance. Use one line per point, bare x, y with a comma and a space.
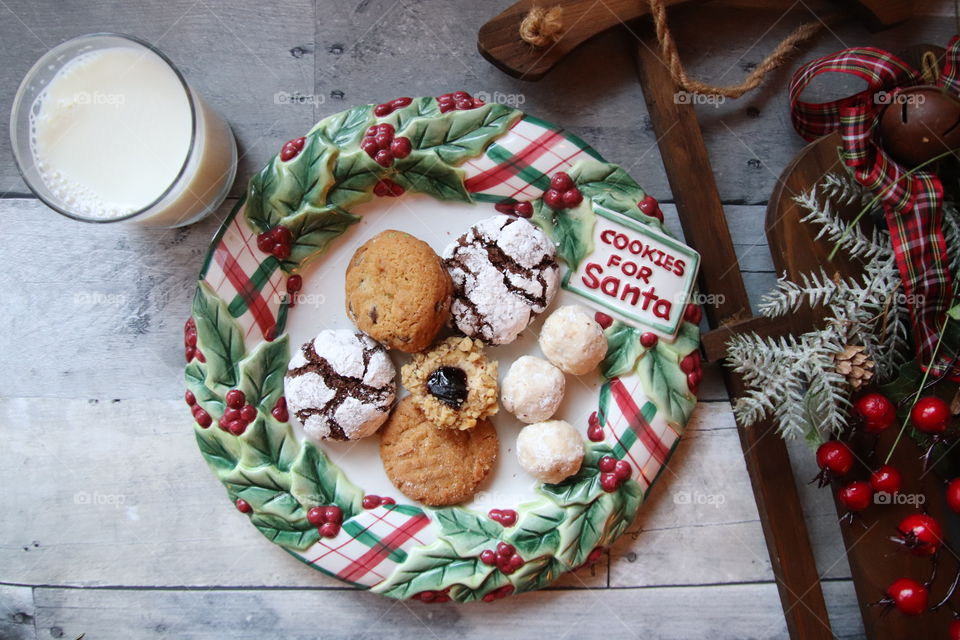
340, 385
504, 273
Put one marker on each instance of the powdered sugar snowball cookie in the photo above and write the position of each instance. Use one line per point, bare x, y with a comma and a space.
572, 340
550, 451
340, 385
532, 389
504, 273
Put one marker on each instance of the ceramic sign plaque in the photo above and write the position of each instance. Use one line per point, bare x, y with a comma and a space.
637, 274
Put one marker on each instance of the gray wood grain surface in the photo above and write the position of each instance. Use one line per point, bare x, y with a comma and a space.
112, 525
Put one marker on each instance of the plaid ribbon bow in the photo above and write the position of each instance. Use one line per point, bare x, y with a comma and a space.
912, 202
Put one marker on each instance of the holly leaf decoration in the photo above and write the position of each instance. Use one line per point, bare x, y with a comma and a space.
425, 107
629, 497
492, 581
268, 442
666, 384
220, 449
425, 173
279, 531
538, 573
262, 371
536, 533
314, 480
623, 349
219, 338
583, 486
354, 174
570, 229
432, 568
583, 529
195, 375
347, 127
610, 186
313, 230
458, 135
277, 504
282, 189
468, 532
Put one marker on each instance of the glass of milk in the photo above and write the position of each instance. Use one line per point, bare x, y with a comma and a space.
105, 128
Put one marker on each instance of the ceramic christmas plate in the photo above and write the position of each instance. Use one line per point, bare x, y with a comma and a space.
274, 277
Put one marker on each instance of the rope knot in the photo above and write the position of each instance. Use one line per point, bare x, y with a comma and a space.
542, 27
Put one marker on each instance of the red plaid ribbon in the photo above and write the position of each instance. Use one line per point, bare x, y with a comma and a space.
912, 202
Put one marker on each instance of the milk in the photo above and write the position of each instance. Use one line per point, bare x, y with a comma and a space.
116, 132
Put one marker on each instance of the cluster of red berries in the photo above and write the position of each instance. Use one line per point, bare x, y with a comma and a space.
379, 143
278, 242
292, 148
519, 209
384, 109
506, 517
199, 414
371, 501
613, 473
433, 596
190, 350
279, 411
387, 188
650, 207
594, 428
504, 558
692, 365
327, 520
238, 414
562, 194
458, 101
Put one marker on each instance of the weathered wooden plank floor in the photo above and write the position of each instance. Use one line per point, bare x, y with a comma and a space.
112, 525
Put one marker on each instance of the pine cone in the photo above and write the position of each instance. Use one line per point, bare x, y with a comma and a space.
854, 363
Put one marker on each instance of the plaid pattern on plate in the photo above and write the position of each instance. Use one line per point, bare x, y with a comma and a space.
371, 545
518, 165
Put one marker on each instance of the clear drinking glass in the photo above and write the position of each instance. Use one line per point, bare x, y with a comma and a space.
209, 162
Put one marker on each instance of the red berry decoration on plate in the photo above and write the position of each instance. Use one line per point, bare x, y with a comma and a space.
457, 101
602, 319
370, 501
953, 495
243, 506
387, 500
315, 516
190, 398
607, 464
835, 460
649, 339
329, 529
650, 207
562, 194
279, 411
506, 517
235, 398
907, 595
613, 473
523, 209
594, 430
856, 496
930, 415
877, 412
693, 313
278, 242
202, 417
886, 479
488, 557
291, 149
921, 534
248, 413
190, 350
387, 188
379, 143
387, 108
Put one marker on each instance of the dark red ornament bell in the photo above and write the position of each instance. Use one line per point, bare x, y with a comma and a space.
919, 124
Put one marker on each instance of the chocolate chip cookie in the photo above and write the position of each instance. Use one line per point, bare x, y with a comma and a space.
398, 291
